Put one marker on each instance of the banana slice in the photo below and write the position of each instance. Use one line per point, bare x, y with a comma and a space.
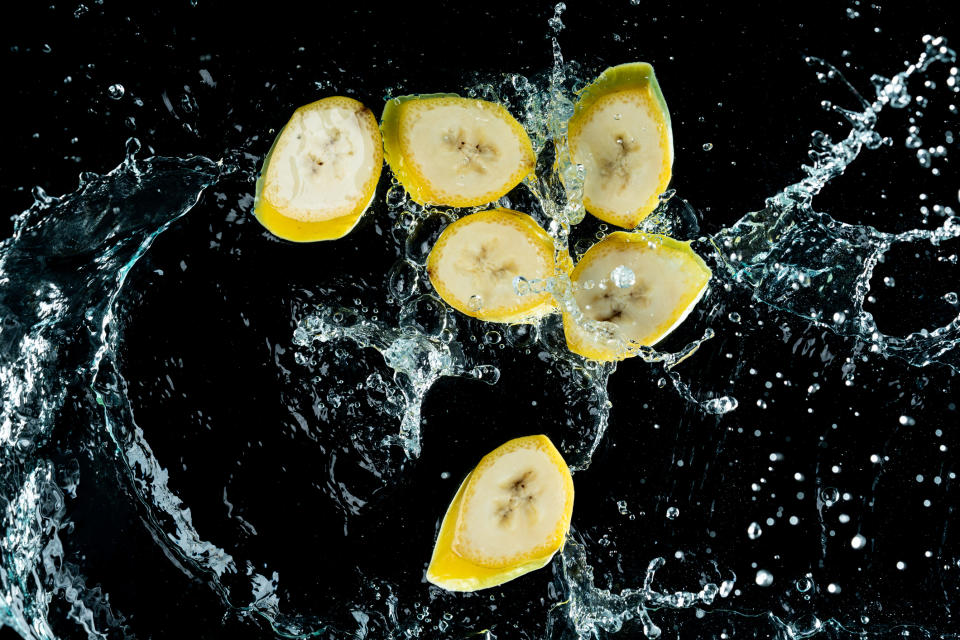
476, 259
321, 172
620, 132
509, 517
454, 151
640, 285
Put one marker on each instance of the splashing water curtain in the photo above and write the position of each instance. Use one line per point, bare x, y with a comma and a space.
367, 364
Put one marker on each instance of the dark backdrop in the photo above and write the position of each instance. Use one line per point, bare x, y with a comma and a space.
216, 78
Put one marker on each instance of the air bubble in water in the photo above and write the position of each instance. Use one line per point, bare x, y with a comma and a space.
754, 531
672, 513
707, 146
492, 337
764, 578
858, 541
116, 91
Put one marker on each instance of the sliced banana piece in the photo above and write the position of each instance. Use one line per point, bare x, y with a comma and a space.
621, 133
509, 517
640, 286
476, 259
454, 151
321, 172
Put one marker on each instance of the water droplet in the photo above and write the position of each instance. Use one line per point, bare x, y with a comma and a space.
492, 337
754, 531
623, 276
402, 279
764, 578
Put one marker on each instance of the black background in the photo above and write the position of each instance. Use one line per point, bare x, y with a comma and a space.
734, 77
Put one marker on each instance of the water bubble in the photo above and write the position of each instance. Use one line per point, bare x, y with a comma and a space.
423, 235
734, 317
754, 531
475, 303
521, 286
402, 279
858, 541
486, 372
623, 276
951, 297
830, 495
804, 584
901, 565
672, 513
764, 578
839, 317
720, 406
492, 337
424, 314
116, 91
805, 627
707, 146
907, 421
521, 335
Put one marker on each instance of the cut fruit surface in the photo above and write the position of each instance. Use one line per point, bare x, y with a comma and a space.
321, 172
621, 133
509, 517
454, 151
476, 259
640, 285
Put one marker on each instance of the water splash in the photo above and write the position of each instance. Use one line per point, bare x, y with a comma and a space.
62, 272
592, 609
418, 359
60, 275
807, 263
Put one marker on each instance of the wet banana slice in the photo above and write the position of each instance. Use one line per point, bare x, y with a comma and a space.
640, 285
621, 133
509, 517
476, 259
454, 151
321, 173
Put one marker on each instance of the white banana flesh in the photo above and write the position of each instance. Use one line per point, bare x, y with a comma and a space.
653, 305
461, 148
512, 510
476, 263
322, 163
621, 149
